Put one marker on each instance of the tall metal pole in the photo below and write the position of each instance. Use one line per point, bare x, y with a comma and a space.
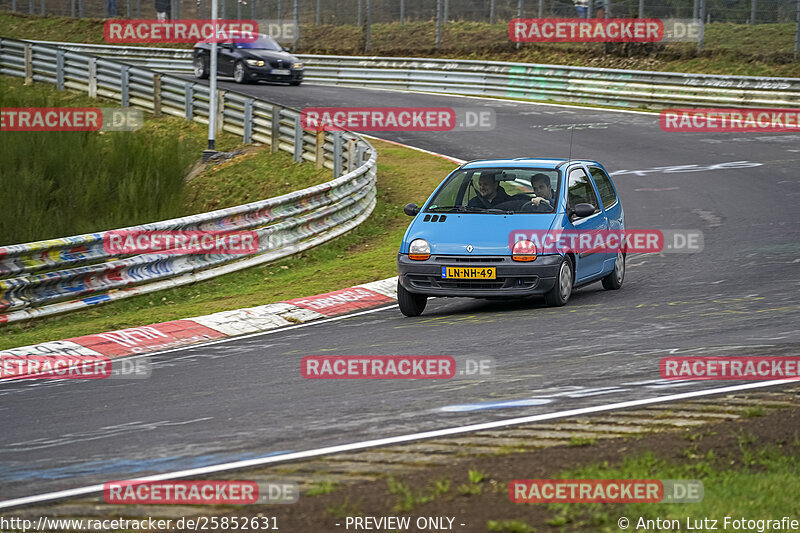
402, 11
446, 15
541, 8
359, 22
752, 12
438, 23
212, 86
702, 36
797, 33
368, 31
318, 19
239, 10
641, 9
695, 10
296, 13
491, 12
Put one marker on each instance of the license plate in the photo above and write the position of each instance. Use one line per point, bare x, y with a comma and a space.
281, 71
468, 273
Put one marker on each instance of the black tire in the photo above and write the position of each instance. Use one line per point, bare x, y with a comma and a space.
614, 280
201, 70
239, 73
410, 304
295, 83
562, 290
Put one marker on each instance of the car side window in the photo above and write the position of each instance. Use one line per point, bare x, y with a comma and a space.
579, 189
603, 182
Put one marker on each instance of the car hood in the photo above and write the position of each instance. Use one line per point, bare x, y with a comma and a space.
269, 55
488, 234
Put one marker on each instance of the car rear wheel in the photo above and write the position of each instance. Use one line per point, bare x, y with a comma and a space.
239, 73
200, 68
614, 280
410, 304
562, 290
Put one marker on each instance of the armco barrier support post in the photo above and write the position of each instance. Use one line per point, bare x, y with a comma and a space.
188, 100
92, 82
319, 156
248, 121
125, 86
351, 155
359, 155
60, 69
157, 95
221, 112
337, 154
275, 132
298, 140
27, 54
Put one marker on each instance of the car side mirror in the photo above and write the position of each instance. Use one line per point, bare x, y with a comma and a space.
411, 210
583, 210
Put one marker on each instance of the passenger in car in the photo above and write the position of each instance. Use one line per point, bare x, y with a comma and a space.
490, 193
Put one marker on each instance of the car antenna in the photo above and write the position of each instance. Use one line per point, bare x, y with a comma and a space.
571, 135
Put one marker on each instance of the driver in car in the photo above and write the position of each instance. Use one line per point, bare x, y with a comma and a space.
490, 192
545, 197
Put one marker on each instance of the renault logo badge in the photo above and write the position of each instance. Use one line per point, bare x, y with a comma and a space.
469, 248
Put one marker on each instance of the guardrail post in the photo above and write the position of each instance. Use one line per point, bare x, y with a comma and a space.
188, 100
221, 112
157, 95
359, 155
337, 154
351, 155
92, 77
248, 121
60, 69
319, 155
276, 129
298, 140
125, 87
27, 54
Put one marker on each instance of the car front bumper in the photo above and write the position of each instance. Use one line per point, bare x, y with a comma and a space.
264, 73
513, 278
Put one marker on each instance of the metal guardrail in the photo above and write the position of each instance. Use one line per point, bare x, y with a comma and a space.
39, 276
615, 87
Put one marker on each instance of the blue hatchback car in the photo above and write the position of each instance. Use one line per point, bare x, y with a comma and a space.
484, 233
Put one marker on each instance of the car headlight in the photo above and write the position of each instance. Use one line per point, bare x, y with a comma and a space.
297, 66
523, 251
419, 250
255, 62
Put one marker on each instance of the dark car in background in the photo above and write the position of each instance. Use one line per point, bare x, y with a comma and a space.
262, 59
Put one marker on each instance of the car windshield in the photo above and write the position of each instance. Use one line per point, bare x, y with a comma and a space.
262, 43
498, 191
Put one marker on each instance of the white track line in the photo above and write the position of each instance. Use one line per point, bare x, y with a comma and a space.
273, 459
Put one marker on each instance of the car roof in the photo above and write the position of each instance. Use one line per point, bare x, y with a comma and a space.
524, 162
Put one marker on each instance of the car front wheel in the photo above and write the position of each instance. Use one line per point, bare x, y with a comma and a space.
562, 290
200, 68
410, 304
614, 280
239, 74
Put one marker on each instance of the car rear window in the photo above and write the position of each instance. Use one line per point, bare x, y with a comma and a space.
603, 182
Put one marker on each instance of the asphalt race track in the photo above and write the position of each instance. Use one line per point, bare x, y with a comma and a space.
245, 398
